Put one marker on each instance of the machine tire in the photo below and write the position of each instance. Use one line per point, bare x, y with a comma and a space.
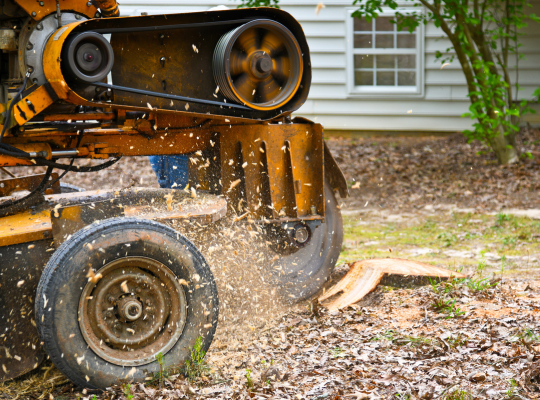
124, 242
302, 274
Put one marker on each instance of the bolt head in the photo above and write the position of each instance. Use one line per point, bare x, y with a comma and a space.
301, 235
29, 46
148, 302
89, 4
39, 27
110, 299
33, 14
138, 290
109, 314
97, 15
41, 3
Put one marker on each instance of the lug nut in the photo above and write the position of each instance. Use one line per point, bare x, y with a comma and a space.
138, 290
148, 302
109, 314
110, 299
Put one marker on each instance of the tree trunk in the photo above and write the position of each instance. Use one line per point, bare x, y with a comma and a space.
504, 147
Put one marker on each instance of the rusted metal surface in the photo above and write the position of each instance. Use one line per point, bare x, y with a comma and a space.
173, 67
33, 104
364, 276
20, 270
132, 309
263, 164
29, 183
65, 221
72, 211
334, 174
40, 9
133, 140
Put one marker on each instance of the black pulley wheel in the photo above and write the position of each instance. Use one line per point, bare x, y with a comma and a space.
118, 293
258, 64
300, 272
87, 57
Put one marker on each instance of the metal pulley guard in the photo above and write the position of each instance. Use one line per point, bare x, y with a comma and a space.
182, 63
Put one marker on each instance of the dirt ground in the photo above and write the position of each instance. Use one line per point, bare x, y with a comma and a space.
435, 199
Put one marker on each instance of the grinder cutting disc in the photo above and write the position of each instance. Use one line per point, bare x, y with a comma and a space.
302, 273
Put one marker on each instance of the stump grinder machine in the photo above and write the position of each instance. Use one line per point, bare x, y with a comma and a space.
97, 280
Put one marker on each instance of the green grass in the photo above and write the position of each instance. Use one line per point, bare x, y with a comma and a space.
513, 389
196, 366
367, 236
249, 381
338, 352
458, 394
127, 392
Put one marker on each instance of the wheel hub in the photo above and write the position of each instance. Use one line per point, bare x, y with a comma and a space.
136, 310
130, 308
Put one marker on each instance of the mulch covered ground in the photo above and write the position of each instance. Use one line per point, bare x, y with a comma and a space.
412, 172
391, 344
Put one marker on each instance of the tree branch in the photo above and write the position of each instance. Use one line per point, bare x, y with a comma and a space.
507, 80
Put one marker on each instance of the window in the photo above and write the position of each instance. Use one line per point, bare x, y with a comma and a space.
383, 60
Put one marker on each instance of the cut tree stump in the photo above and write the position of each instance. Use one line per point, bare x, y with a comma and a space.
365, 275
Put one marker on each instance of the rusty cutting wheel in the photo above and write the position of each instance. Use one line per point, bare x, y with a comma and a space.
137, 309
258, 64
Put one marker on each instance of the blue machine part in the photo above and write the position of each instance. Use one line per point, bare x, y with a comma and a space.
171, 171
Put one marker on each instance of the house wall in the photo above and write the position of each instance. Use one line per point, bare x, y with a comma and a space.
438, 107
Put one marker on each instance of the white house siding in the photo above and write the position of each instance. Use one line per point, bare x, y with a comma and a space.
438, 108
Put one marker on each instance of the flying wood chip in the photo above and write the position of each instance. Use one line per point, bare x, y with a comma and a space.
92, 277
365, 275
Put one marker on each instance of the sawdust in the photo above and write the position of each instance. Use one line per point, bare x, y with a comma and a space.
239, 258
407, 317
38, 384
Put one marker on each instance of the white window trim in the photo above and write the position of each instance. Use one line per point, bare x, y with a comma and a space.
381, 91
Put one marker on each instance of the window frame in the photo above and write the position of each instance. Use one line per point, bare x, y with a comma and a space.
385, 91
